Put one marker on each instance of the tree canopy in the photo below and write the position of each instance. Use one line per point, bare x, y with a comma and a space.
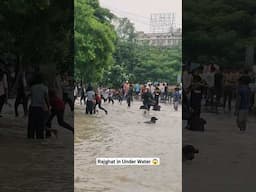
140, 63
94, 40
37, 32
218, 30
106, 51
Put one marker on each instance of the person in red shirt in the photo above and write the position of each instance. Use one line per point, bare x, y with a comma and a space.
57, 109
98, 102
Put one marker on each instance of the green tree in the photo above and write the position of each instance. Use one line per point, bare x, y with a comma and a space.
39, 33
94, 40
157, 64
219, 30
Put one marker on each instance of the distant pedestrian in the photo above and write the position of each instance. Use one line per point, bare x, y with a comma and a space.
147, 99
242, 104
82, 95
57, 109
21, 96
129, 96
38, 109
110, 96
98, 102
90, 100
176, 98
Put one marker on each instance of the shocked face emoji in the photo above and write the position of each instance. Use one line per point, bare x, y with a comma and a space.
155, 162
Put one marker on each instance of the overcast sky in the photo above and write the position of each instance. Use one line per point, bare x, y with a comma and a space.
138, 11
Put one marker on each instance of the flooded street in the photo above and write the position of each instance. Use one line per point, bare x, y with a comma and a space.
226, 159
34, 165
123, 133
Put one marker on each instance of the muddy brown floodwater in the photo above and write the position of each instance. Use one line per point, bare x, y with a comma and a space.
34, 165
123, 133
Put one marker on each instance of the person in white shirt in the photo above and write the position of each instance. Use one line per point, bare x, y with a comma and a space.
3, 90
39, 108
152, 89
210, 80
75, 92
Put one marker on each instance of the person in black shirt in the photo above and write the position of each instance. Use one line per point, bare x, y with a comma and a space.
157, 93
218, 87
129, 95
21, 96
245, 77
196, 94
147, 99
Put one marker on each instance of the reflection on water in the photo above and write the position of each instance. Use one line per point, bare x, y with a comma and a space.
123, 133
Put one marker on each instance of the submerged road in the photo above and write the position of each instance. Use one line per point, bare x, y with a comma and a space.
123, 133
34, 165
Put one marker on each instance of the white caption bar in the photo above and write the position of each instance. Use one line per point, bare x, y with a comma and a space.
128, 161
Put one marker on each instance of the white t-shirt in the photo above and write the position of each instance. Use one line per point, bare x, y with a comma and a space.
162, 88
38, 94
75, 91
3, 85
210, 78
90, 95
152, 89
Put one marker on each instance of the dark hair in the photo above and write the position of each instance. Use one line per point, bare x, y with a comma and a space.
52, 92
89, 88
38, 79
246, 71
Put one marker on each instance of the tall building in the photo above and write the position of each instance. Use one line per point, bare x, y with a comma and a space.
163, 31
162, 22
167, 39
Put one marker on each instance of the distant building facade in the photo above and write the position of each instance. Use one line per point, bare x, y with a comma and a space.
169, 39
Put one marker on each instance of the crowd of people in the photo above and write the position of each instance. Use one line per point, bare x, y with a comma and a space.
150, 94
214, 88
41, 100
